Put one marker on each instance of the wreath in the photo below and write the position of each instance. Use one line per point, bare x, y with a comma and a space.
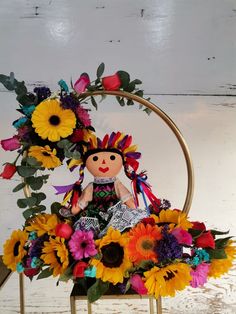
161, 254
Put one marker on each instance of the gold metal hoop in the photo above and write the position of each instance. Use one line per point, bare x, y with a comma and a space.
171, 125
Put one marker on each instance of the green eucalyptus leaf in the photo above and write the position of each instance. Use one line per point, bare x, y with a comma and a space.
131, 87
137, 81
19, 187
125, 79
31, 201
21, 203
97, 290
55, 207
94, 103
64, 144
28, 213
128, 285
47, 272
33, 162
148, 111
8, 82
20, 88
139, 93
100, 70
24, 100
130, 102
26, 171
39, 197
35, 182
76, 155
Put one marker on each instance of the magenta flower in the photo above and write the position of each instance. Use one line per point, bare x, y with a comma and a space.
137, 284
83, 116
82, 244
199, 275
182, 236
81, 84
12, 143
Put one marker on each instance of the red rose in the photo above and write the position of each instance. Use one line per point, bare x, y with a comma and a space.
8, 171
77, 136
30, 272
205, 240
112, 82
64, 231
148, 221
78, 270
198, 225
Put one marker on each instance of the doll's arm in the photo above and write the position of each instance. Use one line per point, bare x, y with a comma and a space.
124, 194
85, 197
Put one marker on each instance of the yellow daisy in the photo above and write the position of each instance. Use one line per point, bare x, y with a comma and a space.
218, 267
167, 280
55, 254
51, 121
45, 155
114, 261
13, 249
43, 223
174, 218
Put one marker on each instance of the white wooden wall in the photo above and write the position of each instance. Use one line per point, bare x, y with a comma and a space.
184, 52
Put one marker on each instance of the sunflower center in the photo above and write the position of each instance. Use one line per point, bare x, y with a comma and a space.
83, 245
170, 275
112, 255
147, 245
16, 248
54, 120
46, 154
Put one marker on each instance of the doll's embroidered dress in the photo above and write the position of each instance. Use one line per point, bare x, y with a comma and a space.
102, 204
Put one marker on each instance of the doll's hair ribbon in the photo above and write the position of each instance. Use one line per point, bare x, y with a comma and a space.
72, 192
140, 185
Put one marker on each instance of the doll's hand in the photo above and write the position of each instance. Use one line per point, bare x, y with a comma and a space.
75, 209
130, 203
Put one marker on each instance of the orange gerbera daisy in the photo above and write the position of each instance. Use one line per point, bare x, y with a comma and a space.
142, 242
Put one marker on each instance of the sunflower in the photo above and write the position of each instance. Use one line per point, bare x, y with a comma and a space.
43, 223
142, 240
218, 267
51, 121
45, 155
174, 218
13, 249
55, 254
114, 261
167, 280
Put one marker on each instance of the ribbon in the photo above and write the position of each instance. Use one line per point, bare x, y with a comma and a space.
72, 192
140, 185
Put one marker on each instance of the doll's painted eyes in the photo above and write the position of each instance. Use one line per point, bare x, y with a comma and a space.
112, 157
95, 158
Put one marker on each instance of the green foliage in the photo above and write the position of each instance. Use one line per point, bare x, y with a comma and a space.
67, 275
100, 70
19, 187
216, 254
36, 183
216, 232
195, 233
221, 243
47, 272
26, 171
125, 79
55, 207
94, 103
97, 290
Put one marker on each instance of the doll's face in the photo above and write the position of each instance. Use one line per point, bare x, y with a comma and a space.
104, 164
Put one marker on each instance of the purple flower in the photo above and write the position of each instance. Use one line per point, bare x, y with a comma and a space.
82, 244
69, 102
42, 93
168, 247
37, 246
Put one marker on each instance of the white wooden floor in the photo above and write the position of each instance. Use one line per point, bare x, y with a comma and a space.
184, 51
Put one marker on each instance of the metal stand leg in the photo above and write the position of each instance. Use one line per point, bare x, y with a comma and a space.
151, 306
159, 306
22, 298
89, 307
72, 305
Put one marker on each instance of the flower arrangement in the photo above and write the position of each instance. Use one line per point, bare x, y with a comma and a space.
160, 255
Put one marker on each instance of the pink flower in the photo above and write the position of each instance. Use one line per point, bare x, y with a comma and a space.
82, 244
12, 143
182, 236
81, 84
137, 284
199, 275
83, 116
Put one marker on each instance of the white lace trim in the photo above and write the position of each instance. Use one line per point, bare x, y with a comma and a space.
102, 180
